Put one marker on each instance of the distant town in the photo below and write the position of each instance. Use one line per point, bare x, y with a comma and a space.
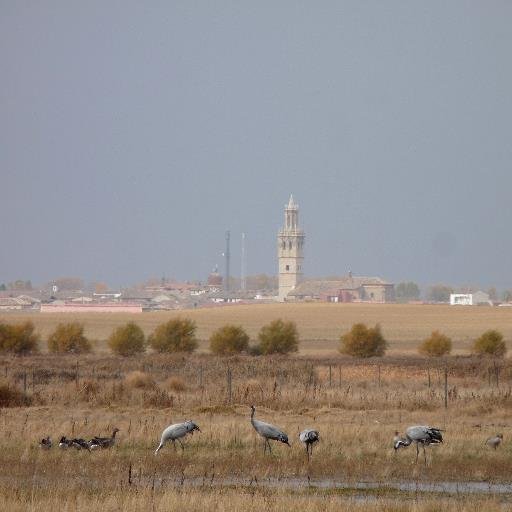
70, 294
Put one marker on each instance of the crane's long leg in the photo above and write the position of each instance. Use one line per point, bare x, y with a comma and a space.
265, 446
174, 444
417, 452
425, 455
181, 444
269, 447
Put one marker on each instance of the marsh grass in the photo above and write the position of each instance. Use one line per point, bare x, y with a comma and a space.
355, 404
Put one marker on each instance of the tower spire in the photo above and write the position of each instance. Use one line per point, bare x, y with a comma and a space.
290, 243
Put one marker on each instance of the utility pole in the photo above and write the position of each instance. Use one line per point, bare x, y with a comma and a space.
242, 267
227, 256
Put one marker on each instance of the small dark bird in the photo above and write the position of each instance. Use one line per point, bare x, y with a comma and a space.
105, 442
79, 444
65, 443
46, 443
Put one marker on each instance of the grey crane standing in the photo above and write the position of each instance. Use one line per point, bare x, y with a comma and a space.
268, 431
495, 441
397, 441
176, 432
420, 434
309, 437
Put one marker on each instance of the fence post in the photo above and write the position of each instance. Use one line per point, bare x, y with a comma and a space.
229, 379
446, 387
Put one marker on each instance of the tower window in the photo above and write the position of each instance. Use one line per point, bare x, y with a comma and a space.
284, 244
290, 245
287, 267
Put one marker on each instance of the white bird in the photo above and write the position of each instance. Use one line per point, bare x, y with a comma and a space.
495, 441
309, 437
46, 443
176, 432
420, 434
268, 431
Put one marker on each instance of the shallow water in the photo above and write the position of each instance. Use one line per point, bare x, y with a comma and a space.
327, 484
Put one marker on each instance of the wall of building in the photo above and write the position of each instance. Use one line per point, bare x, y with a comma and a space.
91, 308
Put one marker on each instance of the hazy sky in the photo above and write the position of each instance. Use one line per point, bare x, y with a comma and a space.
133, 134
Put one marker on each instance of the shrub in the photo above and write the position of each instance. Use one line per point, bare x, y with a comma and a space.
278, 337
69, 338
176, 384
490, 343
229, 339
362, 341
177, 335
436, 346
140, 380
12, 397
127, 340
19, 339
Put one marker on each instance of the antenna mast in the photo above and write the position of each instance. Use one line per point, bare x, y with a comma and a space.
227, 256
242, 267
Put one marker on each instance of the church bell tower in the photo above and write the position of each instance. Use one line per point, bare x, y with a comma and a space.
290, 246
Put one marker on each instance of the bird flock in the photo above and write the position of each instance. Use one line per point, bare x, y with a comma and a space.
419, 435
79, 443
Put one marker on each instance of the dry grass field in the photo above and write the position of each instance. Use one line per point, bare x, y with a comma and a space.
319, 324
355, 404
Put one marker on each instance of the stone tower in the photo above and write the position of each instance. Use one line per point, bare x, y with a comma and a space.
290, 246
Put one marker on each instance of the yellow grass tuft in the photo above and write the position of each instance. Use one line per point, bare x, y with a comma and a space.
140, 380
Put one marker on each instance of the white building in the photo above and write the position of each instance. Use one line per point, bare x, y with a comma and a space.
469, 299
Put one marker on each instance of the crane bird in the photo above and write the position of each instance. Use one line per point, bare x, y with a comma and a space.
420, 434
495, 441
103, 442
176, 432
397, 441
46, 443
309, 437
268, 431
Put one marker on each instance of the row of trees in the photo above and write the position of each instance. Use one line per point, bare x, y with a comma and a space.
179, 335
409, 290
362, 341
